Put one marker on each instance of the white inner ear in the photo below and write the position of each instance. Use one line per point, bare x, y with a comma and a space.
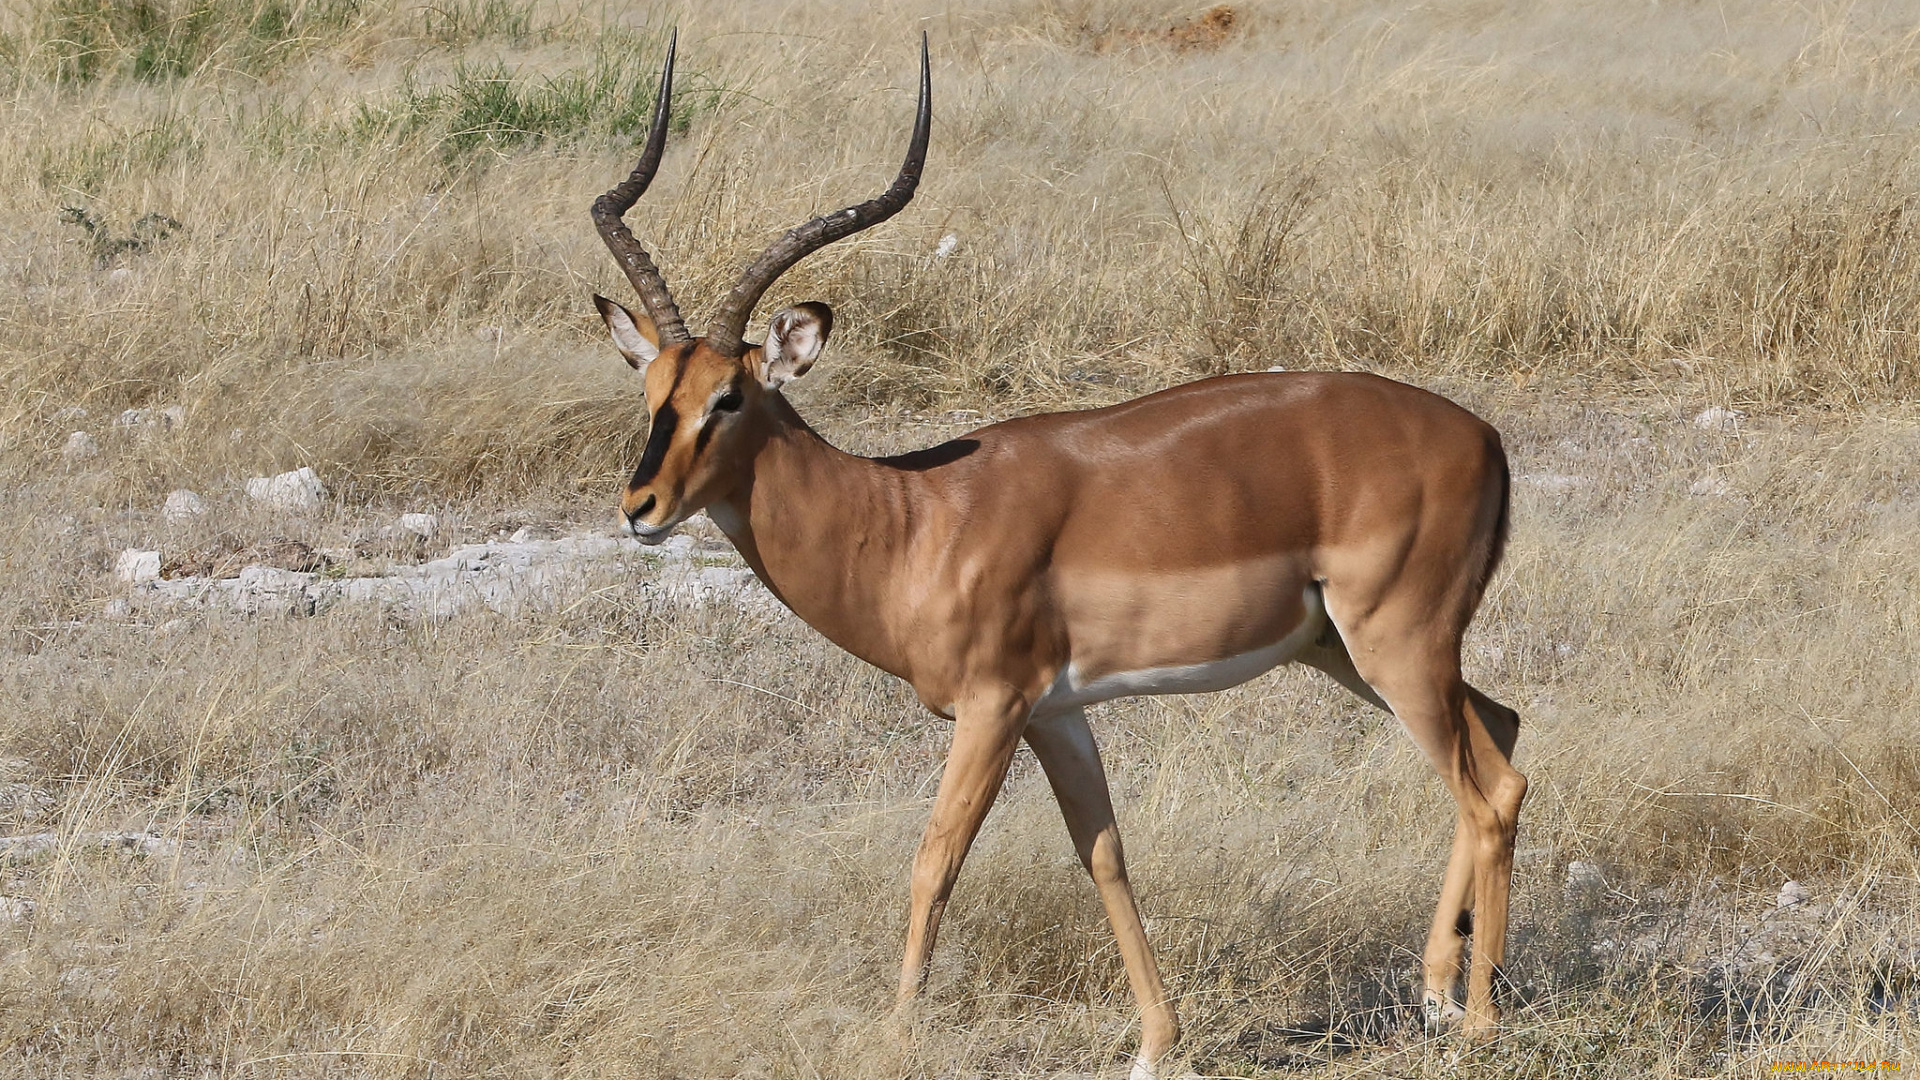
628, 338
793, 344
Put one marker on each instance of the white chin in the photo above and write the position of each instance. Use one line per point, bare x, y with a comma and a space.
653, 534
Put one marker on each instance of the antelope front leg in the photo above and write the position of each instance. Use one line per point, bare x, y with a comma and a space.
984, 737
1064, 744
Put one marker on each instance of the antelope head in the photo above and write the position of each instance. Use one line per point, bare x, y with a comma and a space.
712, 400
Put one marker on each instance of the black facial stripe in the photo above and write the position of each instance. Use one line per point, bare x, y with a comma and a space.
665, 422
707, 428
711, 423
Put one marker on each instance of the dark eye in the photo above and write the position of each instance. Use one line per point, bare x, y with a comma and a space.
728, 402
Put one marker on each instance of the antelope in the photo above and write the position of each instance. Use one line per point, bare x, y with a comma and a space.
1184, 541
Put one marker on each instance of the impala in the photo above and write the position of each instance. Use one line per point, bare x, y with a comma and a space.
1185, 541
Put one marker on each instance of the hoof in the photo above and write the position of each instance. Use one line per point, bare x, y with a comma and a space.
1440, 1011
900, 1022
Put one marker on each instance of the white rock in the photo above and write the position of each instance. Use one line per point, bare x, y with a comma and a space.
1792, 895
135, 566
420, 525
946, 246
520, 535
120, 277
118, 608
1708, 486
498, 575
1718, 419
296, 490
168, 418
15, 909
182, 505
487, 333
34, 844
24, 802
80, 445
258, 578
1584, 876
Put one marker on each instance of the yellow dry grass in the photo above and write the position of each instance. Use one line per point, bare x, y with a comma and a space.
612, 838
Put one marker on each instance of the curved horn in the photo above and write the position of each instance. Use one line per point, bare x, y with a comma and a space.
804, 240
610, 209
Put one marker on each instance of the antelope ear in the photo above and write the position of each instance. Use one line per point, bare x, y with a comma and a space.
634, 335
794, 340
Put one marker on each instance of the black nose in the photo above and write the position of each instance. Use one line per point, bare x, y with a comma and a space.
638, 512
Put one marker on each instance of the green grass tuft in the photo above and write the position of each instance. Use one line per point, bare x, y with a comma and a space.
492, 106
462, 22
84, 41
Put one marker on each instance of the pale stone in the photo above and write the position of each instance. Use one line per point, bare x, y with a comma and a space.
182, 505
1583, 876
135, 566
1792, 895
31, 845
498, 575
1718, 419
168, 418
296, 490
420, 525
80, 445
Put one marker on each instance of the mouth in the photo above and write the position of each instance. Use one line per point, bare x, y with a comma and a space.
643, 532
650, 535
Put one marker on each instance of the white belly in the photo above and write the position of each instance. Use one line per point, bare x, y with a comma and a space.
1072, 690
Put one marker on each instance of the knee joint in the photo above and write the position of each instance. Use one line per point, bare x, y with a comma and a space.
1107, 862
1507, 797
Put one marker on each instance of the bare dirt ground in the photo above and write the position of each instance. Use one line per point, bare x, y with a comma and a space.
333, 796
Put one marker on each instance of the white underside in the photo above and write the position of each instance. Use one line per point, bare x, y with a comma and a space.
1071, 690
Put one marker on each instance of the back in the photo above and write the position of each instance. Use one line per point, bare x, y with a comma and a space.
1223, 470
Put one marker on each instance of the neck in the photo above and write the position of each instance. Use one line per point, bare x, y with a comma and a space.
824, 530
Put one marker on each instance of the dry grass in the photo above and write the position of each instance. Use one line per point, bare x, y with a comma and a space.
612, 839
